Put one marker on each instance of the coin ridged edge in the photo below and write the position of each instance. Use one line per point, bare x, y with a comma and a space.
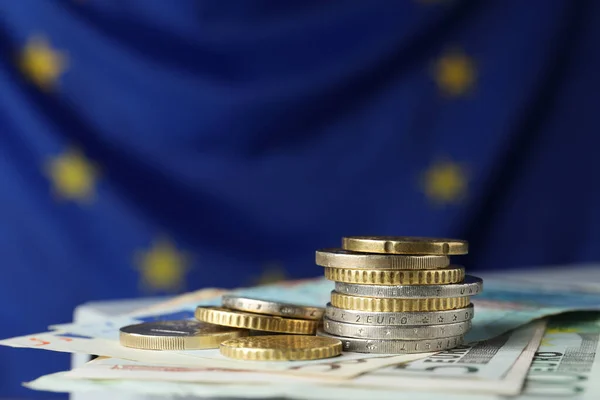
470, 286
373, 304
251, 354
255, 322
196, 342
395, 332
434, 246
329, 258
396, 277
272, 308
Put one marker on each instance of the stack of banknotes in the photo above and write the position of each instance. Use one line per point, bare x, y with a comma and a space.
529, 340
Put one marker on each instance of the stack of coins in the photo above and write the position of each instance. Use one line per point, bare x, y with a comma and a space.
397, 295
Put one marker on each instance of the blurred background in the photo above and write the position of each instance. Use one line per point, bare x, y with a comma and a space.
152, 147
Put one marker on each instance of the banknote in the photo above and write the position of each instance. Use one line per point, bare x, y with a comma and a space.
344, 366
564, 367
494, 366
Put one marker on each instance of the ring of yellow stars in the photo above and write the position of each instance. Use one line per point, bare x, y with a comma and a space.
455, 73
73, 176
445, 182
42, 64
163, 267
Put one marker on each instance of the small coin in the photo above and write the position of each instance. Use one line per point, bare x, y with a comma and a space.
399, 318
244, 320
281, 348
405, 245
395, 332
272, 307
471, 286
339, 258
347, 302
391, 346
176, 335
396, 277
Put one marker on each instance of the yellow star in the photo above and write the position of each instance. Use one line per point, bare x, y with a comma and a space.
163, 267
455, 73
73, 176
42, 64
272, 273
445, 182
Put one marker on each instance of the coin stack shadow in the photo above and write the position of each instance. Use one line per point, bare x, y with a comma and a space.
397, 295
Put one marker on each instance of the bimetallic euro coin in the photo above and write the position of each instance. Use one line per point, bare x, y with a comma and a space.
405, 245
395, 332
399, 318
391, 346
339, 258
470, 286
176, 335
281, 348
267, 307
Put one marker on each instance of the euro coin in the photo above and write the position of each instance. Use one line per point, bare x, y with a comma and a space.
267, 307
396, 277
382, 346
470, 286
395, 332
339, 258
244, 320
281, 348
396, 305
405, 245
413, 318
176, 335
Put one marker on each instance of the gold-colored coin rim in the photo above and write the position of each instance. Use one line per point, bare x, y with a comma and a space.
340, 258
405, 245
198, 342
374, 304
330, 348
442, 276
257, 322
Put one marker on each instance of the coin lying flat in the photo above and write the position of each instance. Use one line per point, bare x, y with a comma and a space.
176, 335
340, 258
470, 286
244, 320
271, 307
347, 302
381, 346
396, 277
405, 245
281, 348
395, 332
399, 318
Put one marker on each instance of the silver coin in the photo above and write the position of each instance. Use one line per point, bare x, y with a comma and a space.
471, 286
340, 258
399, 318
259, 306
395, 332
390, 346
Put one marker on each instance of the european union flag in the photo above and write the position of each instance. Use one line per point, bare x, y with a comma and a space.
151, 146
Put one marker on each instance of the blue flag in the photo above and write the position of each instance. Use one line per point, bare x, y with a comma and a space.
152, 147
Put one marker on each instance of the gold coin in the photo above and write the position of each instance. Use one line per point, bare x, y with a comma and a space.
339, 258
405, 245
176, 335
396, 277
281, 348
374, 304
245, 320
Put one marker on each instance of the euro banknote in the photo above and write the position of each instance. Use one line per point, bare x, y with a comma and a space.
565, 366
